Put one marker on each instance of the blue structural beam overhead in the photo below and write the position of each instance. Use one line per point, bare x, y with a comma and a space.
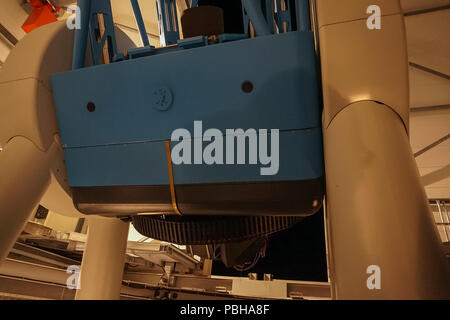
97, 24
168, 22
81, 35
194, 3
253, 12
283, 15
140, 22
303, 15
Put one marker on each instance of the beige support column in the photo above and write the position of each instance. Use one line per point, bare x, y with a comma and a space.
24, 177
103, 259
382, 240
378, 213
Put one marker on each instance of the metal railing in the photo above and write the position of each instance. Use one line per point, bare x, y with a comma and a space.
442, 218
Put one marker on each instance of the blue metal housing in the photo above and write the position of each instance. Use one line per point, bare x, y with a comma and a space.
206, 85
140, 101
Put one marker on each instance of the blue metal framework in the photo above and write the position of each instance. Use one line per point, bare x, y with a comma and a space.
253, 12
81, 35
101, 32
283, 15
194, 3
97, 24
140, 22
303, 15
168, 22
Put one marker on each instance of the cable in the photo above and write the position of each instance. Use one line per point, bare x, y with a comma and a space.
255, 261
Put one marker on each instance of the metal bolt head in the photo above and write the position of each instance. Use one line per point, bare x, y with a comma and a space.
253, 276
268, 277
162, 99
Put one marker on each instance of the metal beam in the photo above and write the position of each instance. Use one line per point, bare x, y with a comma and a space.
24, 289
443, 212
8, 35
423, 11
431, 108
34, 272
140, 22
433, 201
46, 257
429, 70
431, 146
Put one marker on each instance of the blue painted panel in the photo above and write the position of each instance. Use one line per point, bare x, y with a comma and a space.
300, 159
140, 102
146, 164
205, 84
118, 165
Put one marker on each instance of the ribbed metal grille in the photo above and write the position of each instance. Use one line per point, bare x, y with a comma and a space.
210, 230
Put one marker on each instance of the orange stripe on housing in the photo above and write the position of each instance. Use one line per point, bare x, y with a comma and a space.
172, 184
